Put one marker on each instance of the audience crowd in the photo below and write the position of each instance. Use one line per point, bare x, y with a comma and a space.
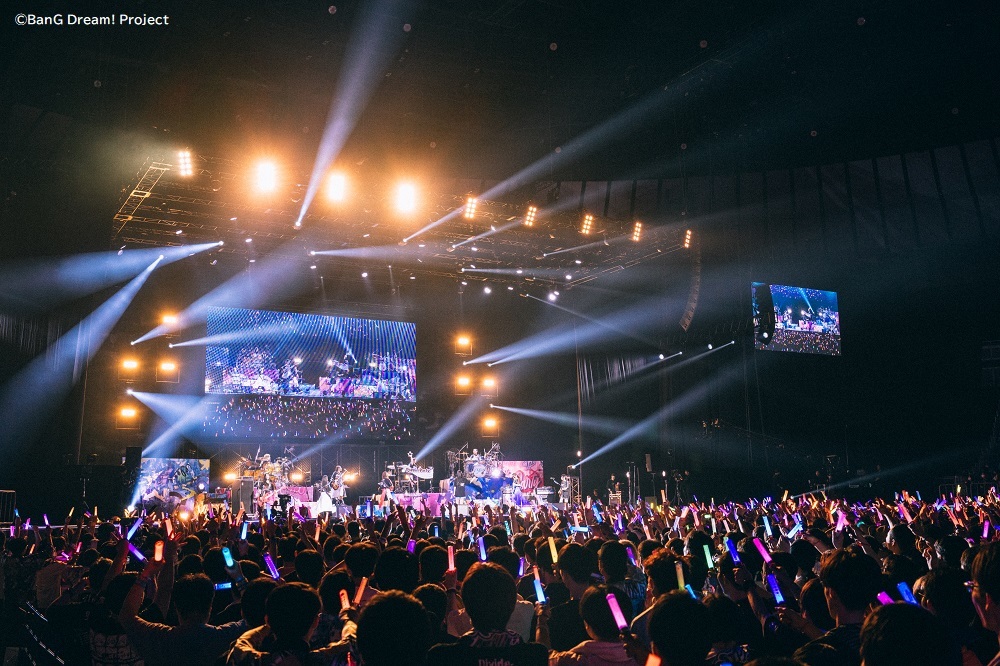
804, 581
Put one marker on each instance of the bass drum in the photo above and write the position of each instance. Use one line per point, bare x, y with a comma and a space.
479, 470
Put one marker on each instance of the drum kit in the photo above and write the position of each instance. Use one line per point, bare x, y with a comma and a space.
270, 477
481, 474
407, 475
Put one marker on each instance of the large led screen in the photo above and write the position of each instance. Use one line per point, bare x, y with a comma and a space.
293, 375
795, 319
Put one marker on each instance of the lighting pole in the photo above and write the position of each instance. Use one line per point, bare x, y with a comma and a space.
579, 474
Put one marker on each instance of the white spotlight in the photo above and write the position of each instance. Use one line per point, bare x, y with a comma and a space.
266, 179
487, 290
662, 357
336, 187
406, 198
710, 345
365, 274
552, 296
184, 163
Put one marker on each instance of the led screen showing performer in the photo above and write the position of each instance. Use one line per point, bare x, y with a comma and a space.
170, 483
310, 355
795, 319
303, 376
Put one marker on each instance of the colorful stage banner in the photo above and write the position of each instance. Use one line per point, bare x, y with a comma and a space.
529, 472
166, 483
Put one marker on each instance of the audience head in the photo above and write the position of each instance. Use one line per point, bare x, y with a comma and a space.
193, 595
906, 635
679, 630
309, 567
252, 603
489, 595
851, 580
596, 612
293, 611
986, 585
393, 629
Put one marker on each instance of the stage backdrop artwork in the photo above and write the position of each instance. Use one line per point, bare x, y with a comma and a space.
528, 471
170, 482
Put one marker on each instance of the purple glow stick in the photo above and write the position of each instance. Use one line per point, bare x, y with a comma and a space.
616, 610
135, 551
269, 561
885, 599
482, 550
135, 528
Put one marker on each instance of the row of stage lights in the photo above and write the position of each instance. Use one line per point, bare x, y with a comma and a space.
405, 196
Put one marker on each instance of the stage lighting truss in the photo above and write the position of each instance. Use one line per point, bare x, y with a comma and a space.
587, 225
687, 239
168, 371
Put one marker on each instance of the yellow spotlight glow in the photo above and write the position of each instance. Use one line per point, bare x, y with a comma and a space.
296, 477
266, 177
184, 515
464, 341
587, 225
687, 239
406, 198
490, 422
229, 477
350, 476
184, 167
168, 366
463, 381
336, 187
463, 345
470, 208
489, 382
529, 217
130, 364
169, 319
128, 412
637, 231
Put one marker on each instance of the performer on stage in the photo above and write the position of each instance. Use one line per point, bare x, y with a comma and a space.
565, 488
614, 491
386, 488
324, 503
338, 489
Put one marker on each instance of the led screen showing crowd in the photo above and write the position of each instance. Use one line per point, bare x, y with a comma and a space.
284, 374
795, 319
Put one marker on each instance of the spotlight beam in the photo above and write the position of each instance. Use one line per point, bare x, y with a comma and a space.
598, 322
37, 285
647, 427
598, 424
271, 279
374, 41
485, 234
40, 387
235, 336
469, 409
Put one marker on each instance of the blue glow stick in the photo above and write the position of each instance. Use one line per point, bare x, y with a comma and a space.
482, 549
690, 590
539, 592
243, 533
767, 527
904, 589
135, 528
779, 598
228, 557
795, 530
733, 552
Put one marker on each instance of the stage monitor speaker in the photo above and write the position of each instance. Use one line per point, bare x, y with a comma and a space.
649, 463
243, 493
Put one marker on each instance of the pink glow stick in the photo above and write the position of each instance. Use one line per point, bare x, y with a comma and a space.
616, 610
762, 549
451, 558
361, 591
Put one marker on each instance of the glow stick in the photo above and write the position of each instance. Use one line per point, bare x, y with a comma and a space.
451, 558
885, 599
132, 549
986, 529
539, 592
361, 591
679, 568
733, 552
841, 521
653, 660
708, 556
158, 551
520, 568
135, 528
904, 589
779, 598
12, 531
714, 531
269, 561
228, 557
243, 532
45, 517
553, 550
631, 555
170, 527
762, 549
411, 546
767, 527
690, 590
315, 536
784, 497
71, 510
795, 530
345, 603
616, 611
